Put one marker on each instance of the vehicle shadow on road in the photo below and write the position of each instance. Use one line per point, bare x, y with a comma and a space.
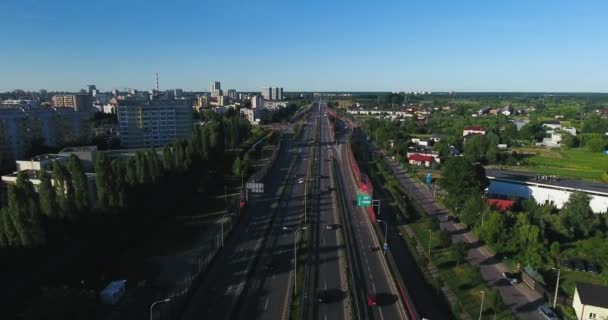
383, 299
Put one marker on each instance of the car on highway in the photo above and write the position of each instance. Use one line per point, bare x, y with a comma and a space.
322, 296
371, 300
300, 180
513, 278
332, 226
546, 313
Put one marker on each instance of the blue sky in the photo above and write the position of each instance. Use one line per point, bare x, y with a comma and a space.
373, 45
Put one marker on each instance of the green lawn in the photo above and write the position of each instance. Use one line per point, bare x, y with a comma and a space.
464, 280
594, 250
574, 163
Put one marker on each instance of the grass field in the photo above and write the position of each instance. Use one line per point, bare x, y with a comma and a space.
575, 163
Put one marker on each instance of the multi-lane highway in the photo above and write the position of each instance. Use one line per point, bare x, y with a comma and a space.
268, 296
372, 269
253, 276
327, 290
236, 267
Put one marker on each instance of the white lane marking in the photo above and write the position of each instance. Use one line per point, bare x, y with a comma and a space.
266, 305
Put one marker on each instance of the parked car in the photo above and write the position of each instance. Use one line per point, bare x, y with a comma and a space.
568, 265
591, 268
453, 219
332, 226
579, 265
547, 313
513, 278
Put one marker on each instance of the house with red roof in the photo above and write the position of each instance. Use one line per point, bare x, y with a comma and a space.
420, 160
501, 205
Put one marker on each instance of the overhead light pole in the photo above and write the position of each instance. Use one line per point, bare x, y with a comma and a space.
481, 307
155, 303
295, 255
222, 224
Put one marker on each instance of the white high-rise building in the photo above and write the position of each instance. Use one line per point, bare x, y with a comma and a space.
257, 102
231, 93
216, 89
278, 93
267, 93
270, 93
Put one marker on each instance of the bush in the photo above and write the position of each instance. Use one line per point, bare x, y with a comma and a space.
445, 238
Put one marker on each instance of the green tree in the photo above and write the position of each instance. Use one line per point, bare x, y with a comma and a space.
493, 231
64, 190
23, 207
168, 160
596, 144
119, 184
570, 141
131, 171
532, 130
103, 181
10, 235
237, 166
578, 216
48, 197
459, 252
462, 180
80, 183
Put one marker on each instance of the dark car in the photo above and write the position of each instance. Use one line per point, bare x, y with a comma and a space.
568, 265
322, 296
453, 219
591, 268
579, 265
513, 278
371, 300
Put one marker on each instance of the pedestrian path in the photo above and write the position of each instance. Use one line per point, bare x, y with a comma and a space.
522, 300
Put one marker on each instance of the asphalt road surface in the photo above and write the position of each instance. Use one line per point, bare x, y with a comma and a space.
377, 279
218, 295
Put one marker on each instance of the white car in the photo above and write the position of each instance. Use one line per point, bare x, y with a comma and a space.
301, 180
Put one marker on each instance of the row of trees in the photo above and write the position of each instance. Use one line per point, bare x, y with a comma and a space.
64, 193
529, 233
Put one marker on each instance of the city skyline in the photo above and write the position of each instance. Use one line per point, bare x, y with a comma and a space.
313, 46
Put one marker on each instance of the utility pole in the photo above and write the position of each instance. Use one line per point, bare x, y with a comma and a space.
481, 307
559, 271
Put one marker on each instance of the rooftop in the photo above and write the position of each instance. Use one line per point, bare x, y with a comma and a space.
592, 294
531, 178
79, 149
42, 157
476, 128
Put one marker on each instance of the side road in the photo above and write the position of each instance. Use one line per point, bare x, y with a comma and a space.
522, 300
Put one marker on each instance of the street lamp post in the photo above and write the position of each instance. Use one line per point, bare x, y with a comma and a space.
155, 303
430, 234
295, 256
222, 224
559, 271
403, 203
481, 307
483, 214
376, 203
385, 233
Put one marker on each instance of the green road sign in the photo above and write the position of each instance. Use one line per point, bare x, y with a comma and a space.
364, 200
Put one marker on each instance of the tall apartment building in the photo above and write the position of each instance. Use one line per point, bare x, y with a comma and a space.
216, 89
278, 93
154, 125
257, 102
231, 93
267, 93
20, 126
270, 93
78, 102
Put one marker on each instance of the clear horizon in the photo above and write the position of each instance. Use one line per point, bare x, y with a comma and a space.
342, 46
